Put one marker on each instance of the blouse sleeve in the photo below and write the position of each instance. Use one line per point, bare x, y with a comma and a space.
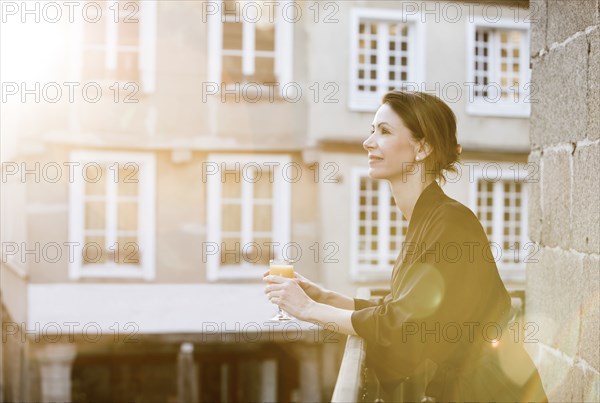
441, 289
362, 304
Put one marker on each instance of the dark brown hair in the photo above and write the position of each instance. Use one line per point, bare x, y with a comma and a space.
430, 119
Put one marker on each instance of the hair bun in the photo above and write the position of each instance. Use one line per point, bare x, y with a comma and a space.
458, 149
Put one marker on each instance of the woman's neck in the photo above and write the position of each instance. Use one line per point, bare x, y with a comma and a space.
406, 192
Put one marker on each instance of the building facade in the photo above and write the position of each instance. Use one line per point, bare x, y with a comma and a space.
204, 138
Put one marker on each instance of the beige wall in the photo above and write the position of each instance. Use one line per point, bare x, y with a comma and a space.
563, 287
181, 200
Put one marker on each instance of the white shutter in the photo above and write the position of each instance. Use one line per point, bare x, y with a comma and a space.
147, 64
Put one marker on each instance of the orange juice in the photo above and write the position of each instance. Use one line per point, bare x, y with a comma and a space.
283, 270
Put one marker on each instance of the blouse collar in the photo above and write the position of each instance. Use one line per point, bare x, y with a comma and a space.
428, 200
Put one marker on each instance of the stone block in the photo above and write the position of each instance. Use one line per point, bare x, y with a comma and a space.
553, 301
537, 128
534, 207
566, 18
585, 213
561, 380
556, 203
559, 94
589, 339
538, 11
593, 125
591, 387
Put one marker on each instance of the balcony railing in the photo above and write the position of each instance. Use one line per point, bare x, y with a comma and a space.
355, 383
351, 384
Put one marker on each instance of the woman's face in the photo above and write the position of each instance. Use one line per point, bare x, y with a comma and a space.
392, 151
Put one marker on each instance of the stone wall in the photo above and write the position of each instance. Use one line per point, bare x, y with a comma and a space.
563, 283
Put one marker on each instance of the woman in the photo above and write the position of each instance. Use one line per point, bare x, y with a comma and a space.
444, 324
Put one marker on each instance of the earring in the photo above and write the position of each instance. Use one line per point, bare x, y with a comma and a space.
417, 158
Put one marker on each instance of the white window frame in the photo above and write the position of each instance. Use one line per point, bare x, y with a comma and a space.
360, 102
13, 228
481, 107
508, 271
384, 269
284, 38
281, 213
146, 215
147, 17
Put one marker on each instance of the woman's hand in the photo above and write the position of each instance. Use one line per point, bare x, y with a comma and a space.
289, 296
315, 292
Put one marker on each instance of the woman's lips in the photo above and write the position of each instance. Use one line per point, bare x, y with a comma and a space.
374, 159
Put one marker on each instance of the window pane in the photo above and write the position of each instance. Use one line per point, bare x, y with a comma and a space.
128, 251
95, 215
252, 252
262, 218
232, 35
127, 216
93, 251
231, 217
231, 7
232, 69
127, 66
128, 32
232, 189
264, 70
230, 251
265, 35
97, 188
128, 180
263, 188
265, 250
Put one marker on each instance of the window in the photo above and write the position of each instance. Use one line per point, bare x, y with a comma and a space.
378, 228
118, 41
251, 42
501, 206
248, 215
498, 68
385, 54
111, 215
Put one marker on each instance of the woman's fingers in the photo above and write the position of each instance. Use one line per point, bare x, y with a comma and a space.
275, 279
274, 295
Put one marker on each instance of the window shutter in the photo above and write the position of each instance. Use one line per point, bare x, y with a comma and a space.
284, 40
148, 31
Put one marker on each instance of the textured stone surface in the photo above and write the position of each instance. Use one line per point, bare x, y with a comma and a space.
589, 343
553, 299
593, 129
591, 387
585, 224
556, 203
561, 380
559, 94
538, 11
534, 207
568, 17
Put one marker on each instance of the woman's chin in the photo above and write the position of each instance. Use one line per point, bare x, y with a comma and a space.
376, 174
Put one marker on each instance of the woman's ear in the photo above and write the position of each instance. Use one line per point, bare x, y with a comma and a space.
423, 150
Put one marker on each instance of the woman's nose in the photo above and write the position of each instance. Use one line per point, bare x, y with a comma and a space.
368, 143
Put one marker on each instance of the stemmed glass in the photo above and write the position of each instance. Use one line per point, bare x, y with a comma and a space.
283, 268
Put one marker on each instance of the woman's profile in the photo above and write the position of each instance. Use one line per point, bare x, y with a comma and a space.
444, 326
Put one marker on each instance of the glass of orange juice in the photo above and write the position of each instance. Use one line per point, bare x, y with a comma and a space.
283, 268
